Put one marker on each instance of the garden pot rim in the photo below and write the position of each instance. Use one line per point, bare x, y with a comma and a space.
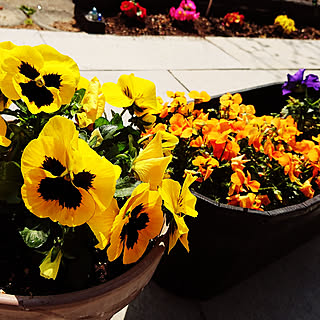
293, 210
79, 297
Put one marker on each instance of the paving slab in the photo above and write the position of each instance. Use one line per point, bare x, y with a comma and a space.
108, 52
221, 81
157, 304
257, 53
288, 289
18, 37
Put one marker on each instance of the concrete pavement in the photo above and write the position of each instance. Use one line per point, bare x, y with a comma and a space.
290, 287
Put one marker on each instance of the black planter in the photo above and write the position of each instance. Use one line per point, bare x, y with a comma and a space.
227, 243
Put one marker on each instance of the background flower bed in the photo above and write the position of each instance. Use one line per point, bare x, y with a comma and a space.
162, 24
259, 18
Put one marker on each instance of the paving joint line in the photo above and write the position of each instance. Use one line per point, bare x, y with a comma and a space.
178, 80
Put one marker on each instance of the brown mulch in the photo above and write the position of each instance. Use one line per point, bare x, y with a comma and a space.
162, 24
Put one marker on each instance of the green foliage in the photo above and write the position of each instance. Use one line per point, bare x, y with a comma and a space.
125, 187
34, 238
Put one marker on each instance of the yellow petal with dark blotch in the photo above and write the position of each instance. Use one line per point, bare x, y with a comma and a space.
49, 269
170, 192
53, 58
65, 80
151, 202
106, 174
37, 150
101, 224
50, 108
116, 243
115, 96
52, 209
142, 91
179, 230
19, 55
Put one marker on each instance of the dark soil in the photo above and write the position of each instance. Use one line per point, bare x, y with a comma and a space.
161, 24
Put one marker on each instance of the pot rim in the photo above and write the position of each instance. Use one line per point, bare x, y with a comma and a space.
137, 271
293, 210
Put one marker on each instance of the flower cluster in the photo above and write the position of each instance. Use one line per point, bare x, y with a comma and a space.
286, 23
185, 12
77, 185
132, 9
233, 18
257, 162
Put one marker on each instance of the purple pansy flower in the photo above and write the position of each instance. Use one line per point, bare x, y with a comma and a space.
311, 81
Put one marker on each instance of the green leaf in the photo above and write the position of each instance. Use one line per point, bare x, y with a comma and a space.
83, 135
100, 122
34, 238
10, 181
78, 96
54, 253
21, 105
108, 131
125, 187
117, 120
93, 141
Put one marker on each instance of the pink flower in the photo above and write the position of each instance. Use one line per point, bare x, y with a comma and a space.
191, 16
180, 14
172, 12
188, 5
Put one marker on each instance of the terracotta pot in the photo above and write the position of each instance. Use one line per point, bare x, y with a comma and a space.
227, 243
99, 302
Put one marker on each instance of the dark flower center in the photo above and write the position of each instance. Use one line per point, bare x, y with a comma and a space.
53, 165
52, 80
135, 224
36, 90
59, 189
28, 71
84, 180
62, 189
40, 95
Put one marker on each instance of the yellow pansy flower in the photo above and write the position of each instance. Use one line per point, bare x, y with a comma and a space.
48, 268
180, 202
41, 76
138, 221
4, 102
5, 142
66, 181
92, 104
132, 90
151, 164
